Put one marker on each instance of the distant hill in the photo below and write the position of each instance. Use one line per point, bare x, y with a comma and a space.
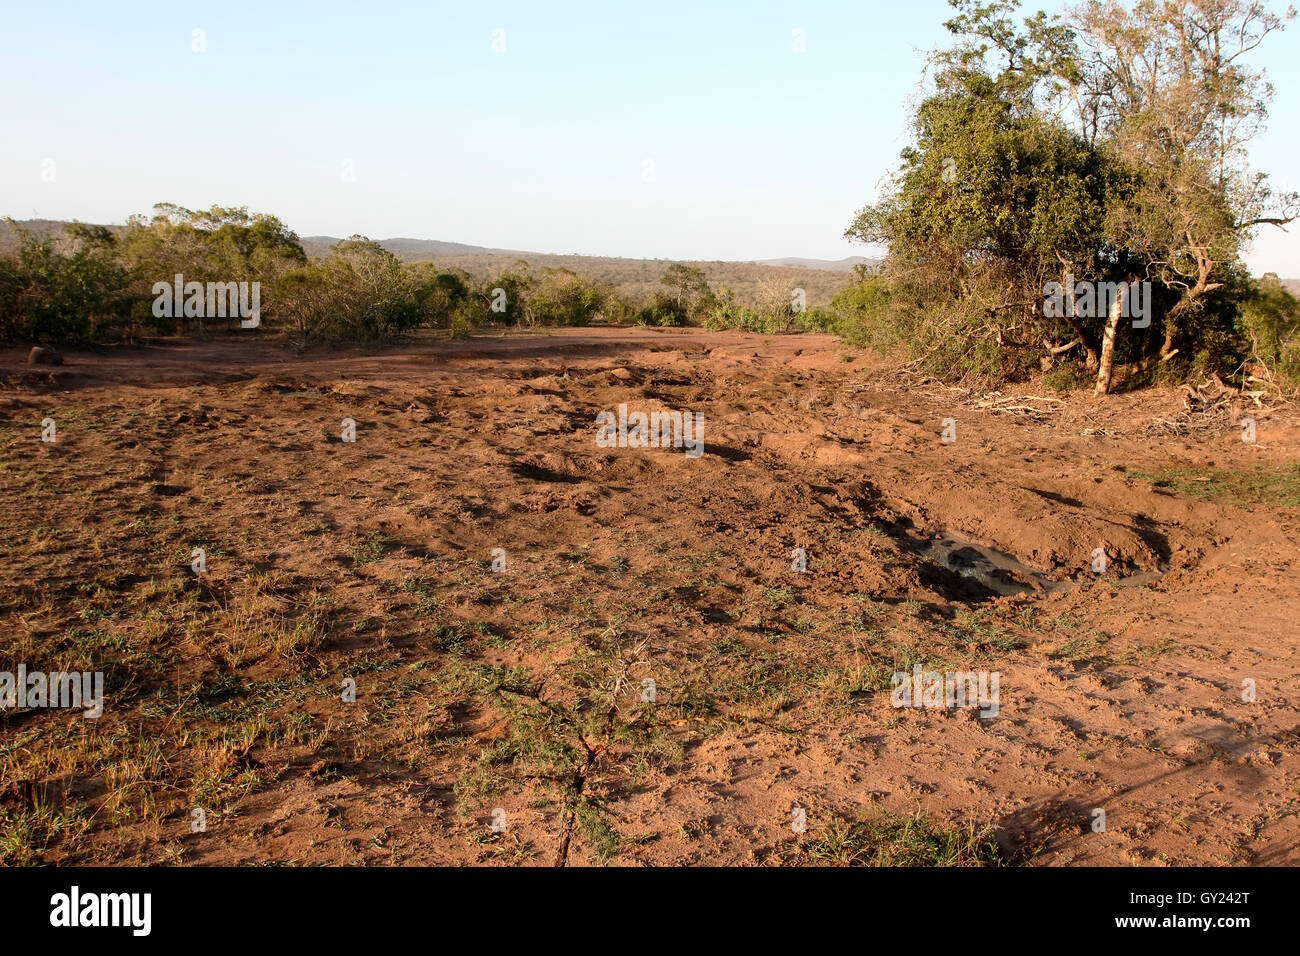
41, 227
428, 250
820, 279
412, 250
834, 265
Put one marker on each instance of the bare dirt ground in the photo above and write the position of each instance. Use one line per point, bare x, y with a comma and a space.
519, 698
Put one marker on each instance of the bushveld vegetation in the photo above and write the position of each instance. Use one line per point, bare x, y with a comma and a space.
1107, 145
82, 284
1104, 146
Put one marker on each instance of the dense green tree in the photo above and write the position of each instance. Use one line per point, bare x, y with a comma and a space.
1167, 84
990, 204
65, 288
1107, 145
689, 288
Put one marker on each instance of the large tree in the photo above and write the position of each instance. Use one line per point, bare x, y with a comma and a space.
1107, 144
1167, 85
993, 201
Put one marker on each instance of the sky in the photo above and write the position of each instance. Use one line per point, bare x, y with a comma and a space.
673, 130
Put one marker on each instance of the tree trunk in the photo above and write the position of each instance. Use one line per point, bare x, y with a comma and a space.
1167, 349
1072, 317
1106, 363
1205, 266
1088, 343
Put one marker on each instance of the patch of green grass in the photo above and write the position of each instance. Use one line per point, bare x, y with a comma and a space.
617, 565
453, 638
1141, 650
889, 840
592, 821
977, 627
369, 549
1072, 649
25, 833
1079, 646
863, 678
778, 598
1275, 487
567, 730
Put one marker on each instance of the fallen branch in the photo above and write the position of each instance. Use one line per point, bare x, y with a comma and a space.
1058, 349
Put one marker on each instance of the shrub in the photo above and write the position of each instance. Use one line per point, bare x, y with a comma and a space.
1068, 376
1269, 320
68, 288
561, 297
663, 310
360, 292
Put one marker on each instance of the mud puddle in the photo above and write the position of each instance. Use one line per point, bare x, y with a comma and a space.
999, 572
1002, 573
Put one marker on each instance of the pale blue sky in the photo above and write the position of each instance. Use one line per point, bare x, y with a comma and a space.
757, 151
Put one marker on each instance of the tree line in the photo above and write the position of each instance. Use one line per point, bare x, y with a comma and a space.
88, 284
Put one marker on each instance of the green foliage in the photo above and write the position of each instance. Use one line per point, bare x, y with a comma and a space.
727, 314
662, 310
221, 244
985, 180
360, 292
687, 298
1270, 321
775, 313
868, 318
632, 282
505, 295
69, 285
70, 288
1067, 376
988, 207
519, 296
1048, 150
561, 297
91, 283
691, 295
460, 325
818, 320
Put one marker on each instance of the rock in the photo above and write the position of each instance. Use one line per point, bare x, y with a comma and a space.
40, 355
